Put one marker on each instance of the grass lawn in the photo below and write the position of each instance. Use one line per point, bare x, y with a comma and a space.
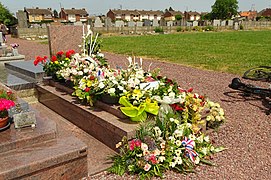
232, 52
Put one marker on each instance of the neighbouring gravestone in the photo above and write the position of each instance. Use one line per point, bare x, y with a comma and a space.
147, 22
119, 23
189, 24
195, 23
223, 23
78, 23
170, 23
1, 39
131, 24
108, 22
139, 24
36, 26
155, 23
236, 26
230, 22
43, 25
216, 22
98, 22
163, 22
22, 19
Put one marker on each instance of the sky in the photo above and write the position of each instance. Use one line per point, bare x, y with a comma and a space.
99, 7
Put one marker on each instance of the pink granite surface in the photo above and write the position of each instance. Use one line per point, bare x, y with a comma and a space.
98, 152
64, 38
44, 157
104, 126
19, 138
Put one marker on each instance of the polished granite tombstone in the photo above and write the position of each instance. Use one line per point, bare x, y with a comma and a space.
101, 124
22, 75
41, 152
26, 68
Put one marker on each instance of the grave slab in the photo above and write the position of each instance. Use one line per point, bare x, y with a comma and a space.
13, 58
59, 159
19, 138
26, 68
102, 125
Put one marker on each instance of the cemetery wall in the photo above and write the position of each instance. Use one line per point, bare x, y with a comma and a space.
31, 32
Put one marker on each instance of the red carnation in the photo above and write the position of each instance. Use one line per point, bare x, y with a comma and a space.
92, 77
54, 58
190, 90
87, 89
60, 53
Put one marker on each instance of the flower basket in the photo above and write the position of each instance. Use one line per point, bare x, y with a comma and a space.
4, 122
106, 98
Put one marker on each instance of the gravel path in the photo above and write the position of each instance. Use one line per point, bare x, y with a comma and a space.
246, 134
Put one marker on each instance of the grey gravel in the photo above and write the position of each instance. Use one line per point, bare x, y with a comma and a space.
246, 133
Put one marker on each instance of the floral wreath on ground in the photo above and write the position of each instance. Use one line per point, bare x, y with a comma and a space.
173, 136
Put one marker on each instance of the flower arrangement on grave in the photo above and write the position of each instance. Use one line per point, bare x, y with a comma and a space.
14, 45
57, 62
166, 144
6, 102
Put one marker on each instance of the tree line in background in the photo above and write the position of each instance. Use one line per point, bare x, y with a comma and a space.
6, 16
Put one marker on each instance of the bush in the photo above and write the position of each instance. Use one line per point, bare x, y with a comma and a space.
209, 28
197, 28
158, 30
241, 27
179, 29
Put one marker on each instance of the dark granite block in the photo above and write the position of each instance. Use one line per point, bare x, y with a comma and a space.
26, 68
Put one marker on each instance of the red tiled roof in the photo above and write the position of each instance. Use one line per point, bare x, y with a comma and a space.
38, 11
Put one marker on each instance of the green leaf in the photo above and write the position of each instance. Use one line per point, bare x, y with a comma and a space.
219, 149
207, 162
129, 111
140, 118
125, 102
152, 108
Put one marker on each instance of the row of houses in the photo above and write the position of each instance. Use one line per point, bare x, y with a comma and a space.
75, 15
66, 15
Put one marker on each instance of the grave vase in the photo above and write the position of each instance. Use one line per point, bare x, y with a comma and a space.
15, 52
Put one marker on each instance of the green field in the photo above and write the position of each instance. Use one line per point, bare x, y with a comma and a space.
232, 52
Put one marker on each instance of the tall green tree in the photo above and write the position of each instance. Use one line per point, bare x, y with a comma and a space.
224, 9
6, 16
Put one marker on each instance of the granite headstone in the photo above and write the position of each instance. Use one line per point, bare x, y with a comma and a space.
195, 23
170, 23
119, 23
216, 22
223, 23
155, 23
131, 24
98, 22
230, 22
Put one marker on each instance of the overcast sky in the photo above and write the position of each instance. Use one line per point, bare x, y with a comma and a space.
102, 6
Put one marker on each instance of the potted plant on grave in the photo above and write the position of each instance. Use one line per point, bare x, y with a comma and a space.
6, 102
14, 47
57, 62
